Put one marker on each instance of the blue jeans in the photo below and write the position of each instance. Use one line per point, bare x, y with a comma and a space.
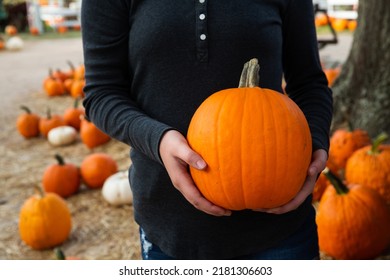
301, 245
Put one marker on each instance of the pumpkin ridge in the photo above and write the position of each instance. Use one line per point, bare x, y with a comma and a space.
242, 145
292, 123
278, 131
219, 161
44, 234
366, 216
348, 218
269, 160
285, 161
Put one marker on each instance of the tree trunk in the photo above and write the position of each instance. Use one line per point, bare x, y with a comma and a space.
362, 91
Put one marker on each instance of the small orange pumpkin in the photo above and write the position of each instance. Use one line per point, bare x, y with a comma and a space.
370, 166
352, 24
96, 168
68, 85
2, 43
332, 74
340, 24
79, 72
44, 221
34, 31
91, 135
49, 122
61, 178
10, 30
72, 115
321, 19
256, 142
77, 88
28, 123
353, 222
62, 29
344, 142
53, 86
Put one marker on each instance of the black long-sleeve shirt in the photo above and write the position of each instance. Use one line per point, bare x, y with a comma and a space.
150, 64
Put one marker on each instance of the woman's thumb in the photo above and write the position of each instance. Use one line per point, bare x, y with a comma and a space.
193, 159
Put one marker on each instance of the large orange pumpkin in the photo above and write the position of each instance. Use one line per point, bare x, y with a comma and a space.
61, 178
44, 221
256, 142
353, 221
370, 166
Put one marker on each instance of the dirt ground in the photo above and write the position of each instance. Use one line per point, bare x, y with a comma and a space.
100, 231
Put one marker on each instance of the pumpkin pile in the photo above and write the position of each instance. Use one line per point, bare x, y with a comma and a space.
45, 218
65, 82
353, 221
339, 24
353, 195
61, 129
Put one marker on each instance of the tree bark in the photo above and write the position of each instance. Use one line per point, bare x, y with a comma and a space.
362, 91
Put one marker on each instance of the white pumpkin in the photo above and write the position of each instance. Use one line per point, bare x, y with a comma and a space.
116, 189
62, 135
15, 43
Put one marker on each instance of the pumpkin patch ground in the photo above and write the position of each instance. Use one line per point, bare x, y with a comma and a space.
100, 230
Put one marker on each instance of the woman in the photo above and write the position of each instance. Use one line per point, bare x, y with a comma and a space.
150, 64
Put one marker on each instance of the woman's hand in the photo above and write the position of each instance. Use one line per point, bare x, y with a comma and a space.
176, 156
318, 163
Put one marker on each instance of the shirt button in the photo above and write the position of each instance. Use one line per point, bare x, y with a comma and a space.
201, 1
203, 37
202, 16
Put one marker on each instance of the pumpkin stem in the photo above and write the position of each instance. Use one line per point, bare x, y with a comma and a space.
76, 102
59, 254
60, 159
25, 108
250, 74
340, 187
377, 142
48, 113
51, 74
39, 190
71, 65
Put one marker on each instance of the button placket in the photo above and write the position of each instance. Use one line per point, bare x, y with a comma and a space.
201, 30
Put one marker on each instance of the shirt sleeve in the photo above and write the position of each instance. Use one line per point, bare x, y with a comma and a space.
306, 82
108, 98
